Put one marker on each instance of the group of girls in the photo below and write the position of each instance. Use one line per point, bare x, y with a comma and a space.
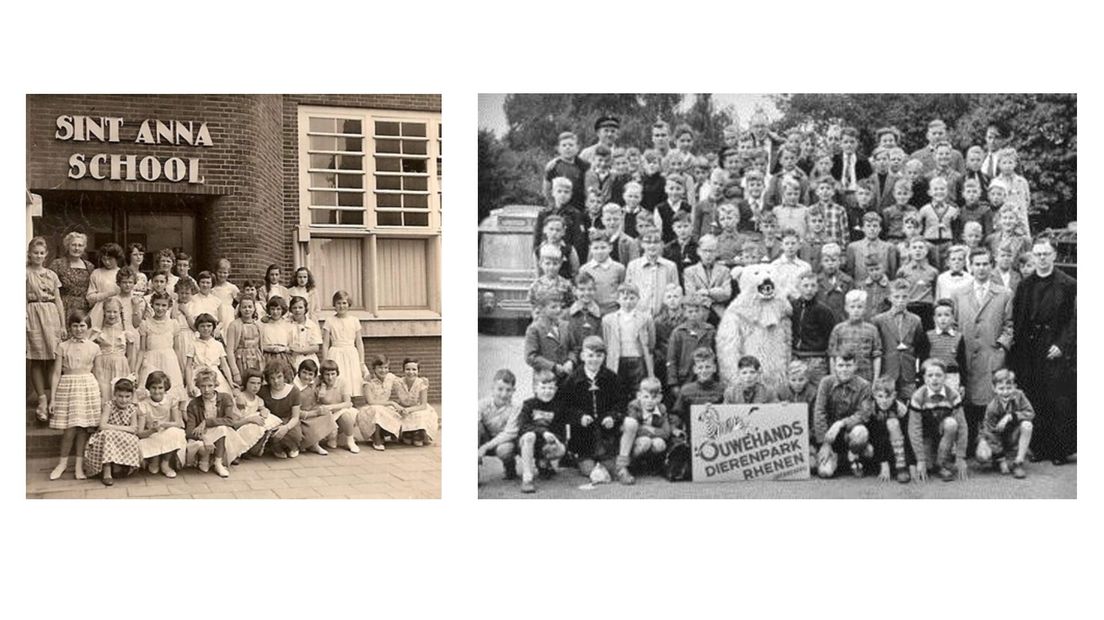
167, 371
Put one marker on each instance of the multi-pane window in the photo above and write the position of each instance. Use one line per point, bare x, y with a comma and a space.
402, 173
335, 147
370, 200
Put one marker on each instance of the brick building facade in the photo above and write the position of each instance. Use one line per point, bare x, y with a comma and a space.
347, 185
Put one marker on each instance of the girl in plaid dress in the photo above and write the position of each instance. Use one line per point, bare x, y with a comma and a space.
44, 312
116, 443
76, 405
243, 341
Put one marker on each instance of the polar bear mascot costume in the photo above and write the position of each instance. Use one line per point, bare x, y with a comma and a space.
756, 323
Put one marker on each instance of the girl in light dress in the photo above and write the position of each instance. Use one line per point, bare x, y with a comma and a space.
243, 341
382, 413
161, 437
341, 343
157, 336
316, 422
253, 421
419, 420
209, 423
158, 283
101, 283
276, 333
44, 329
131, 304
76, 407
272, 287
164, 263
115, 444
303, 286
224, 289
135, 254
206, 302
208, 353
118, 348
333, 396
185, 337
306, 336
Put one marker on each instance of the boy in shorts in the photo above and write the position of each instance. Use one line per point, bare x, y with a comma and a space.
937, 424
538, 418
1009, 422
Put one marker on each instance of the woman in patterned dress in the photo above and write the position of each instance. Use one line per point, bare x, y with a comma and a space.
243, 341
44, 328
381, 413
76, 406
419, 420
74, 273
116, 443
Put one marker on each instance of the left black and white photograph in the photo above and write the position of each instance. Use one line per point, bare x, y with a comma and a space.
233, 296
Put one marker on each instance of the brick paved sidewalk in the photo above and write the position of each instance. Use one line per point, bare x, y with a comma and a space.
401, 471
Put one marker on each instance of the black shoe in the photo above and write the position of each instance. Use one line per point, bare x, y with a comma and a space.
511, 471
1059, 461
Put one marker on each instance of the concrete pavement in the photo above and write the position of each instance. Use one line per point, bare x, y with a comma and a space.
400, 472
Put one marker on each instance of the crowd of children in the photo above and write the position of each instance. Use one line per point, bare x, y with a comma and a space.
168, 370
876, 290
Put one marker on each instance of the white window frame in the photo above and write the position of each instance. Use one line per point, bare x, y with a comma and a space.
370, 232
368, 118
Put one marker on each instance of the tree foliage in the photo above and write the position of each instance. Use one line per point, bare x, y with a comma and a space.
1043, 130
506, 176
1044, 133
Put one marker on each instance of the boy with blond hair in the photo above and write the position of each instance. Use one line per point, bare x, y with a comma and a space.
629, 334
709, 277
606, 273
1007, 427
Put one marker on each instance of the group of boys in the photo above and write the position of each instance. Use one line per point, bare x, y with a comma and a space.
640, 254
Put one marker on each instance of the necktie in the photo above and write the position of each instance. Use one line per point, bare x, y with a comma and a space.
847, 172
992, 165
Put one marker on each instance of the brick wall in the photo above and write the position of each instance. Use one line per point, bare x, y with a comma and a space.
249, 206
242, 168
426, 350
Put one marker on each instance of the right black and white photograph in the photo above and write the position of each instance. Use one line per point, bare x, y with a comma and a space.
777, 296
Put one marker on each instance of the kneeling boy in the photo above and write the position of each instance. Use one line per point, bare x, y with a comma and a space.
843, 408
600, 435
935, 414
539, 416
1008, 425
886, 434
498, 422
649, 417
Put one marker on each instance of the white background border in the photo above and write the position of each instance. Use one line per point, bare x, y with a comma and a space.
505, 558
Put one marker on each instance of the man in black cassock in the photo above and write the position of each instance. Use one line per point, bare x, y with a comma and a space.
1044, 315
